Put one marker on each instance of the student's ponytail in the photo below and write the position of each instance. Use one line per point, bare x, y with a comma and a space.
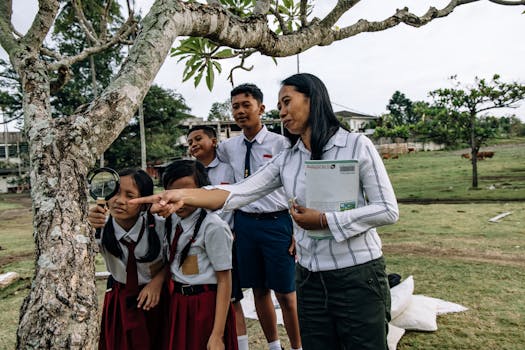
109, 240
153, 241
186, 249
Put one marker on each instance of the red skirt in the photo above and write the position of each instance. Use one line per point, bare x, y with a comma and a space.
125, 327
191, 322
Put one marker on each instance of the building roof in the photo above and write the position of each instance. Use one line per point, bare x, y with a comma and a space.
355, 115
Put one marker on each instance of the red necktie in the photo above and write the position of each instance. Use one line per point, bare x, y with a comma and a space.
132, 279
173, 246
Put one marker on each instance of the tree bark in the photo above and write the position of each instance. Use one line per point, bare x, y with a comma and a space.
474, 147
60, 311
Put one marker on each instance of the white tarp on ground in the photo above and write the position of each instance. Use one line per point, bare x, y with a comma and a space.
409, 311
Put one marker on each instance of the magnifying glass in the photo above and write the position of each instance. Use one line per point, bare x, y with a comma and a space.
103, 184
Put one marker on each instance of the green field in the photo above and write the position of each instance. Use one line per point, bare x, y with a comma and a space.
449, 246
444, 175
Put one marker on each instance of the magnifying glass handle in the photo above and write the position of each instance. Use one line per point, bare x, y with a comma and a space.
101, 202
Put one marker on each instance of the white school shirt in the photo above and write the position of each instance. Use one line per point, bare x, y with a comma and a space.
221, 173
213, 247
145, 270
267, 145
355, 240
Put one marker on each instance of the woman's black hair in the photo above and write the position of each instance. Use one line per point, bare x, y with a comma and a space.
176, 170
322, 120
109, 240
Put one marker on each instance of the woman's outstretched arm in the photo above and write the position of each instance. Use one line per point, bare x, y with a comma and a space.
169, 201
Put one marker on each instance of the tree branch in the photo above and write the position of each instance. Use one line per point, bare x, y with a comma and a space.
240, 66
7, 40
121, 36
84, 23
103, 28
340, 9
280, 19
50, 53
302, 11
261, 7
508, 3
401, 16
47, 11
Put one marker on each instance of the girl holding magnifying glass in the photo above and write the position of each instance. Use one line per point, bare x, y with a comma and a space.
131, 246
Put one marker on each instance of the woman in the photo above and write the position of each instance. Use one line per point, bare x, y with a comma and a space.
342, 287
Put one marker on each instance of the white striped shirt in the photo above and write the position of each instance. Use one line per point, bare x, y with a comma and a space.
266, 146
355, 240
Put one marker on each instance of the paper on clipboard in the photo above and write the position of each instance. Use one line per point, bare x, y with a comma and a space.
331, 185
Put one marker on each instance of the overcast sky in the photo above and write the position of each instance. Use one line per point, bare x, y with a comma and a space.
362, 72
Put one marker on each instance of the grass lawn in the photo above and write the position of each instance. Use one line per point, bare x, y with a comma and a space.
455, 254
452, 250
444, 175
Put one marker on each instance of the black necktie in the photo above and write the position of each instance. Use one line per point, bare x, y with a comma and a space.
249, 145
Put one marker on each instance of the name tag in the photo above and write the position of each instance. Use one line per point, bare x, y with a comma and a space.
191, 265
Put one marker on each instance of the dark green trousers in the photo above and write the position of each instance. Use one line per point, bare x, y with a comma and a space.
346, 308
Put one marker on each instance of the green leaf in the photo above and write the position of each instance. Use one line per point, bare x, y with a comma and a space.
227, 53
217, 66
197, 79
210, 77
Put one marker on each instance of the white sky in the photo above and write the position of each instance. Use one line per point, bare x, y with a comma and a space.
362, 72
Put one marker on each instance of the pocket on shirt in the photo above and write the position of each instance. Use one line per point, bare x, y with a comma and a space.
190, 265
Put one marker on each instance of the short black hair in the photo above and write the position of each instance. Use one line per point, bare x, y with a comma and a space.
208, 130
248, 89
185, 167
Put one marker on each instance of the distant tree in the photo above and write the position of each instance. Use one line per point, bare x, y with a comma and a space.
271, 115
83, 79
220, 111
163, 111
512, 126
438, 124
467, 102
10, 95
401, 110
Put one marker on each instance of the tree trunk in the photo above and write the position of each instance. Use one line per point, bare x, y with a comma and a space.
474, 150
60, 311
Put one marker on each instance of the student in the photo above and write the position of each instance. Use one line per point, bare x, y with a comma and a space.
342, 287
202, 144
263, 228
130, 243
201, 315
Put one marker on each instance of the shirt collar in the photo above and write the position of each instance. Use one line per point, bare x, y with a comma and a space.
337, 140
188, 222
259, 138
132, 234
213, 163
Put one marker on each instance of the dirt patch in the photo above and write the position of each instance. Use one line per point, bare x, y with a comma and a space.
455, 201
454, 253
5, 260
10, 214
